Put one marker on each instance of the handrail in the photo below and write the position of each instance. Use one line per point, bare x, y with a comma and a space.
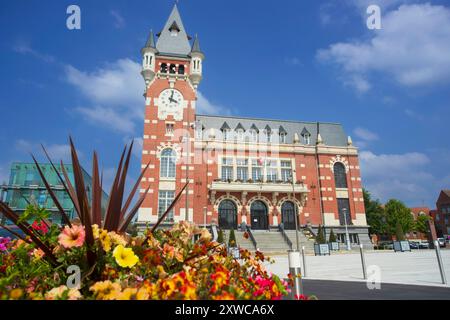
252, 238
311, 231
285, 236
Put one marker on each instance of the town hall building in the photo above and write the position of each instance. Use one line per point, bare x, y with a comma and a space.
260, 172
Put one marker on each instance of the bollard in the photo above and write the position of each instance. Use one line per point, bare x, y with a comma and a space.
363, 261
439, 259
296, 271
304, 262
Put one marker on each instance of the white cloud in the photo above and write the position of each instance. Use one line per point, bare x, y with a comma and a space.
413, 48
204, 106
119, 21
383, 4
56, 152
402, 176
114, 93
365, 134
24, 48
107, 117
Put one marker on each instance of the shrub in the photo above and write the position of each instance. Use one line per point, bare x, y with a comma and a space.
232, 239
320, 237
220, 237
332, 237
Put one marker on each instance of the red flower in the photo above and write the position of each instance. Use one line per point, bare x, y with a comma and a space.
245, 235
301, 297
40, 226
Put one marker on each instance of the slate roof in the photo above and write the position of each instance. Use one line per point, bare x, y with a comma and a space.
332, 133
174, 45
150, 41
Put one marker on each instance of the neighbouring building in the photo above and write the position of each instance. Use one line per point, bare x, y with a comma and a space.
26, 186
416, 212
261, 172
442, 213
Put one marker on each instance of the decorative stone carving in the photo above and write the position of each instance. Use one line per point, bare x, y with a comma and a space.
217, 202
165, 145
339, 158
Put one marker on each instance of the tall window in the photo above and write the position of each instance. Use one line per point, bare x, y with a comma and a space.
226, 134
268, 136
286, 171
227, 169
242, 169
181, 69
165, 199
168, 160
164, 68
344, 211
340, 176
271, 170
283, 138
307, 139
256, 170
169, 128
240, 135
254, 135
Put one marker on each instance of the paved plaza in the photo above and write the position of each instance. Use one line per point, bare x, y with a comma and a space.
417, 267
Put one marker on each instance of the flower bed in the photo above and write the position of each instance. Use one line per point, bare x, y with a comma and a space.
166, 265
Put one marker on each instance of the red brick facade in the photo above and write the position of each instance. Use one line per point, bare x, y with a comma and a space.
200, 160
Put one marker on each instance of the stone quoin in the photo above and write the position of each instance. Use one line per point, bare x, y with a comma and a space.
238, 169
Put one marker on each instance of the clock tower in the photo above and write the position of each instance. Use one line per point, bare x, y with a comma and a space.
172, 71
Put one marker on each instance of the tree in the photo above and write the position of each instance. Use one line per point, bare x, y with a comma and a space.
232, 239
332, 237
375, 214
320, 237
220, 237
398, 213
421, 224
399, 234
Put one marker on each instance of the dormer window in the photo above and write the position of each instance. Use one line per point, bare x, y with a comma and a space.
283, 134
240, 132
268, 133
173, 69
174, 29
307, 139
226, 134
164, 68
181, 69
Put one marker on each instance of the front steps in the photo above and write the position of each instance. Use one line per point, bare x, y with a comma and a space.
270, 241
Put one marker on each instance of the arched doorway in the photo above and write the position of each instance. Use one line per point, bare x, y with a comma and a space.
288, 215
227, 215
259, 216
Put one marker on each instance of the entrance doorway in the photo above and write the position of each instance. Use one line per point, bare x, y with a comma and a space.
227, 215
259, 216
288, 215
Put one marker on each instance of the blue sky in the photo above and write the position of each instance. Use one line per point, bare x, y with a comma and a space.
305, 60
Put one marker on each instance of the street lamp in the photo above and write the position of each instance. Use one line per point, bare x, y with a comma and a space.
295, 212
347, 237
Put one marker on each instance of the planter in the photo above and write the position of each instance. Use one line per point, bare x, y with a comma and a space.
402, 246
321, 249
334, 246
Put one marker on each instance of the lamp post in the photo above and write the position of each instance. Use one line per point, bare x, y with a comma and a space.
347, 237
295, 213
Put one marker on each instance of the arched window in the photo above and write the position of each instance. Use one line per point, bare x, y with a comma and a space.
173, 69
168, 160
181, 69
340, 176
227, 215
164, 68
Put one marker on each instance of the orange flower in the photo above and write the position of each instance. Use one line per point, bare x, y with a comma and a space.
72, 237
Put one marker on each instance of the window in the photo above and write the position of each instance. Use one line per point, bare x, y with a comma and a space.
168, 160
199, 133
283, 138
254, 135
165, 199
344, 211
242, 169
286, 171
340, 176
240, 135
173, 69
181, 69
307, 139
164, 68
271, 170
268, 136
226, 134
29, 177
227, 169
42, 198
256, 169
169, 128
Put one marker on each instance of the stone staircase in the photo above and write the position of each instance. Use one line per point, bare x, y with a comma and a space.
306, 240
271, 241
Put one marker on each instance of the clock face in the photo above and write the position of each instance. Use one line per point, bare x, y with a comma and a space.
170, 99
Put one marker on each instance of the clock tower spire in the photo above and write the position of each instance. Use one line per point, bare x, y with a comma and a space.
172, 70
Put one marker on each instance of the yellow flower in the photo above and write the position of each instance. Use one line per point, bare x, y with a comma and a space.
105, 240
134, 294
16, 294
125, 257
117, 239
58, 292
106, 290
95, 231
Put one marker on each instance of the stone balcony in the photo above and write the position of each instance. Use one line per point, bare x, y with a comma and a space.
239, 186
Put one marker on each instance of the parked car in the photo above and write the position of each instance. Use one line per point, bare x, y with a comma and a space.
385, 245
424, 245
441, 242
414, 245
